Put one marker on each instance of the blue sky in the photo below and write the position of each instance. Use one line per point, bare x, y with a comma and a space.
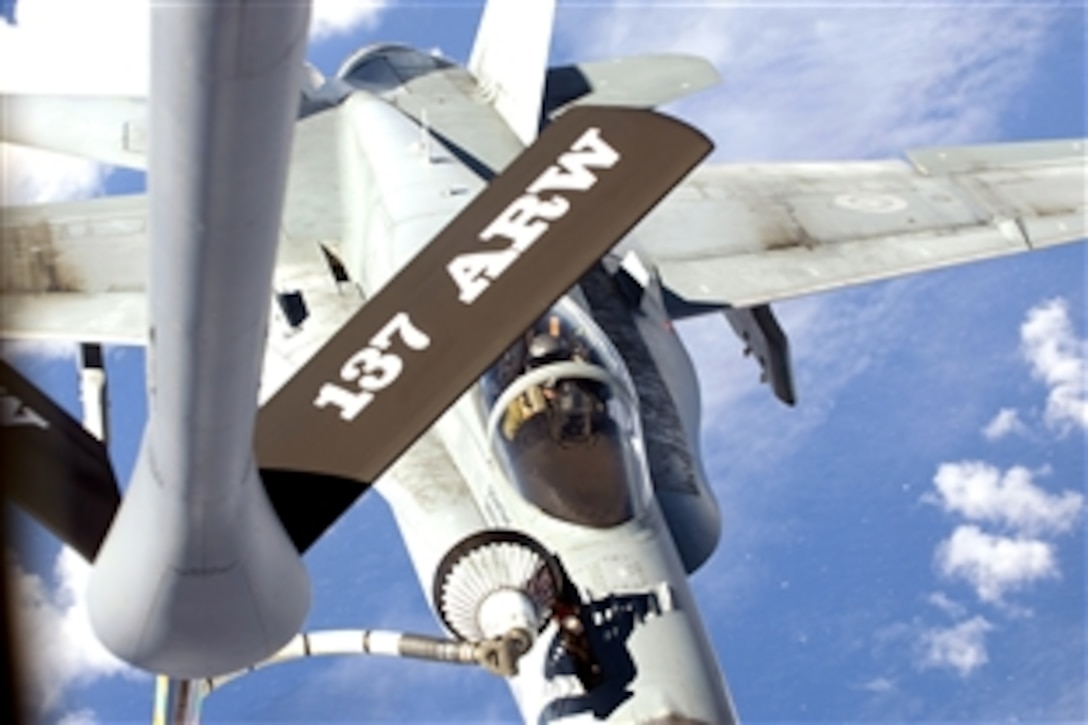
907, 544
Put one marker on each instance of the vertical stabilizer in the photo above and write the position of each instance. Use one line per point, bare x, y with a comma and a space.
510, 60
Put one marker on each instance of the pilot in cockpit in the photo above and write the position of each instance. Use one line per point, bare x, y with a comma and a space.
570, 403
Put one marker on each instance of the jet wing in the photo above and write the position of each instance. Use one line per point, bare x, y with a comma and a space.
641, 81
75, 271
108, 129
743, 235
78, 270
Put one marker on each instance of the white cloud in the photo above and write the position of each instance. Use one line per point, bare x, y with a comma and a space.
1006, 422
13, 350
32, 176
340, 17
941, 601
68, 46
981, 492
879, 685
961, 647
73, 46
83, 716
61, 649
64, 46
834, 339
1058, 358
994, 565
835, 80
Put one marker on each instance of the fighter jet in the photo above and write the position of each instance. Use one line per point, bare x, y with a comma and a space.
461, 288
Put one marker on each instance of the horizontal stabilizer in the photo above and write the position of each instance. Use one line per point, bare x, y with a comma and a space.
641, 81
422, 339
53, 468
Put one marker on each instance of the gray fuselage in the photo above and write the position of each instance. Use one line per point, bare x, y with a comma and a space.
417, 144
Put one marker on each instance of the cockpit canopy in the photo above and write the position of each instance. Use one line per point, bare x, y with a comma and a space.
380, 68
563, 421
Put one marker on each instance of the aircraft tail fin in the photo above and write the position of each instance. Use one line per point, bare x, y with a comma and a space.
510, 60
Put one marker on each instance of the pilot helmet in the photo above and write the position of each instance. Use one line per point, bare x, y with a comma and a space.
545, 348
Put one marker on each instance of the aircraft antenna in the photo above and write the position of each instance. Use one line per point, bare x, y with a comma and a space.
425, 139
